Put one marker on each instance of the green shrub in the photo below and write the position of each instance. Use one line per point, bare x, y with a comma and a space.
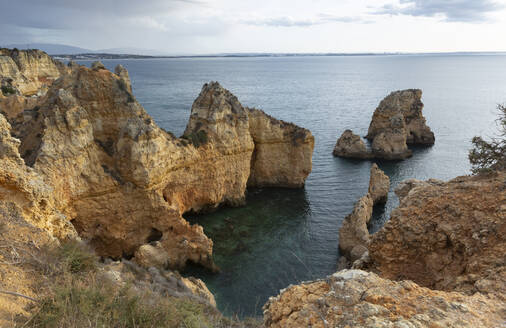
198, 138
490, 155
77, 257
8, 90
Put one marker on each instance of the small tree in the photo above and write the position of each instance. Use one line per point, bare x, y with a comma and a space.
490, 155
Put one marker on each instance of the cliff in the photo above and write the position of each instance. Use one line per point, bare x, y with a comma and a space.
123, 182
438, 261
447, 235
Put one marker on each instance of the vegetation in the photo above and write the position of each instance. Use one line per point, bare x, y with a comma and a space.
198, 138
490, 155
76, 295
8, 90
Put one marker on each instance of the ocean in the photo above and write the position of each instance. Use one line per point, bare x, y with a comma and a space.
286, 236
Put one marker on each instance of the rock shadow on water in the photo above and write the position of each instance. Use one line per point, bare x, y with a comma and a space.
260, 248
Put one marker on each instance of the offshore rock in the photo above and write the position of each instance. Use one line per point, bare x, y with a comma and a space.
396, 122
448, 236
399, 121
355, 298
352, 146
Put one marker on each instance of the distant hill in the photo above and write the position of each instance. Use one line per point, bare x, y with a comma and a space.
51, 49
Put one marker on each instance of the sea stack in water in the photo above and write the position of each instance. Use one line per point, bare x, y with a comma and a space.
397, 122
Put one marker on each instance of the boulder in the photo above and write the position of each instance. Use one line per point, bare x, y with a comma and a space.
351, 145
353, 231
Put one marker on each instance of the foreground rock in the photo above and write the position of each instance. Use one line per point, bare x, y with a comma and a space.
396, 122
355, 298
353, 234
127, 182
447, 236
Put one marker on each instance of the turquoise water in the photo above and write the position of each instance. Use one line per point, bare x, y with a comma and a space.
281, 236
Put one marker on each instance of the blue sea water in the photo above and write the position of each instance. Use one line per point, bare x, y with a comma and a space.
285, 236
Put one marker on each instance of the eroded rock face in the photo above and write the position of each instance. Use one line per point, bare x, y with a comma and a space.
292, 145
379, 185
351, 145
447, 236
128, 182
355, 298
25, 76
353, 234
402, 110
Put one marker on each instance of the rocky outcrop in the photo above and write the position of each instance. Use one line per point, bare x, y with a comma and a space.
352, 146
25, 76
379, 185
353, 234
402, 110
447, 236
292, 145
355, 298
396, 122
127, 182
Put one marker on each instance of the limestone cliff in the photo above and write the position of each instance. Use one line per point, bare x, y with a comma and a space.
292, 145
25, 76
396, 122
447, 236
123, 182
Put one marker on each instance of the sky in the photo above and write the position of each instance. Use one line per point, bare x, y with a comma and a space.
244, 26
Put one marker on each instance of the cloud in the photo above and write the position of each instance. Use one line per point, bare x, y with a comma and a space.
287, 21
451, 10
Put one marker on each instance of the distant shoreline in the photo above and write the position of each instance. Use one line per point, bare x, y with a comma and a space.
101, 56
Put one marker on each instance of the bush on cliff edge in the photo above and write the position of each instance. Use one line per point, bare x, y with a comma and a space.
490, 155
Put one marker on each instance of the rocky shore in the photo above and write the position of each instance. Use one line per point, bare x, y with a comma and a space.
438, 262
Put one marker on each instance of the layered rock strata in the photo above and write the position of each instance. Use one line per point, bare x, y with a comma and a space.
397, 122
25, 76
123, 182
353, 234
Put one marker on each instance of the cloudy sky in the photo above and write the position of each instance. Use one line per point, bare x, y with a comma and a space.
218, 26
